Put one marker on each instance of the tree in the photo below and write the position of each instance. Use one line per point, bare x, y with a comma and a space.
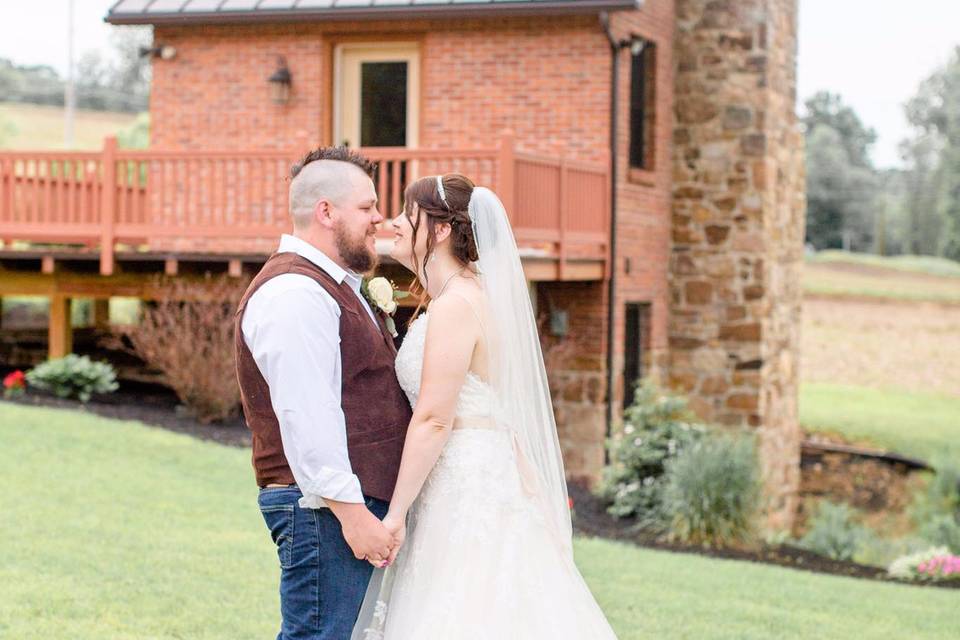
131, 73
827, 109
118, 81
921, 195
842, 201
934, 153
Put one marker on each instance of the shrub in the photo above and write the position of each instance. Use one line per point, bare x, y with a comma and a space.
835, 533
657, 427
936, 512
934, 564
942, 530
187, 335
713, 490
877, 551
73, 377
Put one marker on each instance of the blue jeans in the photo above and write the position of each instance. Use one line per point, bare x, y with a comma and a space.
321, 584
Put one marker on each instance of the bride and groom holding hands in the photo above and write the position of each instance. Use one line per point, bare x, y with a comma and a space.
411, 494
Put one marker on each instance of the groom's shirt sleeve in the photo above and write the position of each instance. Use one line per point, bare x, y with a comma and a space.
292, 328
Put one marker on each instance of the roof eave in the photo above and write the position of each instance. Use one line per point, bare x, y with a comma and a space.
538, 8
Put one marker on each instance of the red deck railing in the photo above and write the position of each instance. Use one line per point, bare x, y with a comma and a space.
220, 201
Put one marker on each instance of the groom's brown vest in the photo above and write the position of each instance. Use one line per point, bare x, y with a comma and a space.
377, 411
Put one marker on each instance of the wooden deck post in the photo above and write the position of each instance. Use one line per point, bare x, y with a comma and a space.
108, 204
506, 173
101, 313
59, 331
564, 218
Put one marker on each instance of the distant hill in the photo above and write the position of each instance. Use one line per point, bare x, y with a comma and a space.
836, 273
40, 127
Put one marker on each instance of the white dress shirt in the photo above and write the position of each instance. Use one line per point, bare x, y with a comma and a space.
292, 328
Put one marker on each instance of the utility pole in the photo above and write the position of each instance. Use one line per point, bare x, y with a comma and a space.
70, 95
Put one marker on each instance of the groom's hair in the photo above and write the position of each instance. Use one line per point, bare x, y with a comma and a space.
328, 178
340, 154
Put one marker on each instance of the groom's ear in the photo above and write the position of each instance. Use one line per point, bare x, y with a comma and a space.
323, 213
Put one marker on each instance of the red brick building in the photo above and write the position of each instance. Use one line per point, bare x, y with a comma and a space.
688, 104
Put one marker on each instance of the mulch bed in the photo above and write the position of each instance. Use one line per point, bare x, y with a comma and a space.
157, 407
592, 519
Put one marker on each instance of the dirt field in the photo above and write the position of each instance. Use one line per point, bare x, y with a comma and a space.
884, 344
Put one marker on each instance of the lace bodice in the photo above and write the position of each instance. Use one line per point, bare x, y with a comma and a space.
476, 396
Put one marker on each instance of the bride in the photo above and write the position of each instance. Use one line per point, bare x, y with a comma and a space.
480, 507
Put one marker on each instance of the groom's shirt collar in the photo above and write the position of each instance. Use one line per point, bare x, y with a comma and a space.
293, 244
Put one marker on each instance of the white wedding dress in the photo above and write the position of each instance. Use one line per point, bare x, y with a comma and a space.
480, 560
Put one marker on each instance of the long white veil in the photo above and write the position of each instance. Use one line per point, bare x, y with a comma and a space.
517, 370
519, 379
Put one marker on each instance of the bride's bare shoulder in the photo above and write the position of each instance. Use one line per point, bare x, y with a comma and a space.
458, 305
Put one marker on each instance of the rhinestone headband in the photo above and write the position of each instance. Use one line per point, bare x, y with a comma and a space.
443, 195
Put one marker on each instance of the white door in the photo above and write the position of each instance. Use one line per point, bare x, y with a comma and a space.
377, 94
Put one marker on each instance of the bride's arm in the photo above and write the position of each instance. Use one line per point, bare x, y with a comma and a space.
452, 334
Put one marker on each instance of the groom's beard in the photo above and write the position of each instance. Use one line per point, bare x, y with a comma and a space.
354, 251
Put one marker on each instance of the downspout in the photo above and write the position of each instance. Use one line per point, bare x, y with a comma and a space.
615, 48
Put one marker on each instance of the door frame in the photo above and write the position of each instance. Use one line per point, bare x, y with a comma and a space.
415, 80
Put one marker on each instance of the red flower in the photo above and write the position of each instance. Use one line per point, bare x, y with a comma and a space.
570, 502
15, 380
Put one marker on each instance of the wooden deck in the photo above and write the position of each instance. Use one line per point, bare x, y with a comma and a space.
121, 207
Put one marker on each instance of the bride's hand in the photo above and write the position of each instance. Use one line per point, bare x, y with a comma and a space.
397, 527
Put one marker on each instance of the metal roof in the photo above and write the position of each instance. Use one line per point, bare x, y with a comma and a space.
223, 11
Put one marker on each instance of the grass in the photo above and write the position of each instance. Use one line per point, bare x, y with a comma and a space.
911, 423
908, 278
116, 530
929, 265
40, 127
839, 280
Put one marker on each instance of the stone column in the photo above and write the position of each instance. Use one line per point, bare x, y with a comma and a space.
738, 226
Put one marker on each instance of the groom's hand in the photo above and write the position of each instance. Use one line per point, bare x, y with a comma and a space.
362, 530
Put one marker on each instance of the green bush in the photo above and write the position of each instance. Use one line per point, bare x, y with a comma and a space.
936, 512
877, 551
942, 530
657, 427
713, 490
73, 377
835, 533
137, 135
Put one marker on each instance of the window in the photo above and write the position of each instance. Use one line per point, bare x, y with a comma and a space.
636, 347
643, 58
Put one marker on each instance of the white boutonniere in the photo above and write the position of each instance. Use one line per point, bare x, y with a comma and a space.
383, 294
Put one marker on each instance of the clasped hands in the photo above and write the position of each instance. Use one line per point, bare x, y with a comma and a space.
375, 541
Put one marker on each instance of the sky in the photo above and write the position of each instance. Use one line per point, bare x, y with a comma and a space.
873, 53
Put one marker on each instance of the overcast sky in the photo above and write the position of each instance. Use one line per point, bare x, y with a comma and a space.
872, 52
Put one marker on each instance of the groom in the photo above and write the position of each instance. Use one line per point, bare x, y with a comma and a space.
316, 370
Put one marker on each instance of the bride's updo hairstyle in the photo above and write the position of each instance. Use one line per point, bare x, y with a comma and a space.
434, 209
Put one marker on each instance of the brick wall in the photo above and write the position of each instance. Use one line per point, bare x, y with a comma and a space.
544, 78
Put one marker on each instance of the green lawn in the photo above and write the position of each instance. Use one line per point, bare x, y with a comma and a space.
115, 530
924, 425
914, 264
40, 127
